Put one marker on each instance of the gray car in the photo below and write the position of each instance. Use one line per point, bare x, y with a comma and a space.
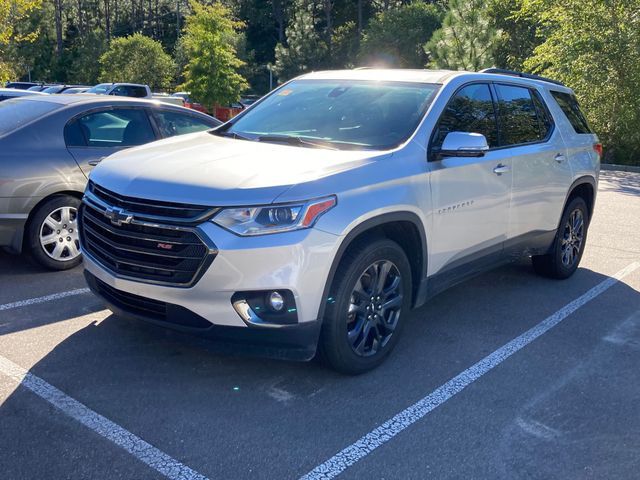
49, 145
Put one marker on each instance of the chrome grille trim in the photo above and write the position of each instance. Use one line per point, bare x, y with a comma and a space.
144, 208
132, 250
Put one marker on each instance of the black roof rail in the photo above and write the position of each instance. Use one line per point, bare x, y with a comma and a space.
513, 73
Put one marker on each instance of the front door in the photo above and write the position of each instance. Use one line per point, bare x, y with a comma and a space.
470, 196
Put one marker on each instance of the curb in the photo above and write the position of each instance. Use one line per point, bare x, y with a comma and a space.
619, 168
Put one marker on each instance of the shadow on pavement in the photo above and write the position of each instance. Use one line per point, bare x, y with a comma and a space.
627, 183
229, 416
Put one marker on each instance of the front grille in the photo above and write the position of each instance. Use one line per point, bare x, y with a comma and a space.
147, 307
155, 253
181, 212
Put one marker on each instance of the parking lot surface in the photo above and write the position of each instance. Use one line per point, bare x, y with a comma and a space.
111, 398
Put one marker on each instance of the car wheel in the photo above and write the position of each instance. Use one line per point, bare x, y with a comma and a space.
52, 234
568, 245
369, 298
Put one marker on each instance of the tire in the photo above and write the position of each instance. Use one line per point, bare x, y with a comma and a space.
358, 332
54, 220
565, 255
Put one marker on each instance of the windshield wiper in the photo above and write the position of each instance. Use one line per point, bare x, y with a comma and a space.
224, 133
294, 140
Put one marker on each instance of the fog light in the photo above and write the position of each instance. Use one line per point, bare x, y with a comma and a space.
276, 301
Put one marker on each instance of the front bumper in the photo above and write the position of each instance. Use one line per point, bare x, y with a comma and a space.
297, 261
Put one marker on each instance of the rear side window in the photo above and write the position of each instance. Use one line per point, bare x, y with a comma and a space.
545, 120
112, 128
136, 92
17, 112
519, 117
470, 110
172, 123
569, 105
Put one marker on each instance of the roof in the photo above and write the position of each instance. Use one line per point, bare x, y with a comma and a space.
424, 76
18, 92
383, 74
83, 98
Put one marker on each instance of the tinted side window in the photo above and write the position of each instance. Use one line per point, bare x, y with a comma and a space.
172, 123
113, 128
545, 120
120, 91
470, 110
518, 116
569, 105
137, 92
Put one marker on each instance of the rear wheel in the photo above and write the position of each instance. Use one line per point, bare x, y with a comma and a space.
370, 296
52, 234
568, 246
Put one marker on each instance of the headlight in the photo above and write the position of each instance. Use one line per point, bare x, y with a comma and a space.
262, 220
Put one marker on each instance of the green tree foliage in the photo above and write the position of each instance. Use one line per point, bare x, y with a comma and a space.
305, 50
210, 43
12, 13
137, 59
395, 37
594, 47
79, 65
345, 44
466, 40
517, 33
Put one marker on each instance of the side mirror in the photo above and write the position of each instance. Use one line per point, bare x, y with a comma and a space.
464, 144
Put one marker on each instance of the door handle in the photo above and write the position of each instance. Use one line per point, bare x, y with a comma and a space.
559, 158
93, 163
500, 169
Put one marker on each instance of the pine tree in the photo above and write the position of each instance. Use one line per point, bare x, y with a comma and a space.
210, 43
305, 50
466, 40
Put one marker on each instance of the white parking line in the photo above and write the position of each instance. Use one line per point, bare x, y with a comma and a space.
143, 451
392, 427
46, 298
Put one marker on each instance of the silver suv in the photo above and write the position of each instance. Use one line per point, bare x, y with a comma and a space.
321, 215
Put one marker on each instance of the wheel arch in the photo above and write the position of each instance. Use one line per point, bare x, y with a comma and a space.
585, 187
406, 229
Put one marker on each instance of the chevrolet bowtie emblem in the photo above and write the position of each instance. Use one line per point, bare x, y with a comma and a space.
118, 216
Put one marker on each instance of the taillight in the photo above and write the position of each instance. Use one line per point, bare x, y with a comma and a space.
597, 147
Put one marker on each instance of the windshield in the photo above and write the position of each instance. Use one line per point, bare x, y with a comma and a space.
55, 89
100, 89
342, 113
20, 111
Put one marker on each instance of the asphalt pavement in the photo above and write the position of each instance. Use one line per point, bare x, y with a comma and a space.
85, 394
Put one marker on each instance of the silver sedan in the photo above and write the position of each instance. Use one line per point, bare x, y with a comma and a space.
48, 146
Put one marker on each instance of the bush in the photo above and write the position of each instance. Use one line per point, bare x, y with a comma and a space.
137, 59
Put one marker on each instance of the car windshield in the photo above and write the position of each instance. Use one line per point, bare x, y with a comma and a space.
345, 114
100, 88
54, 89
20, 111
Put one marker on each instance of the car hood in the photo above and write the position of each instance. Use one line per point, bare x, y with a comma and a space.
206, 169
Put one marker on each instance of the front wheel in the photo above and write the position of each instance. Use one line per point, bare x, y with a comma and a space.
52, 234
370, 296
563, 259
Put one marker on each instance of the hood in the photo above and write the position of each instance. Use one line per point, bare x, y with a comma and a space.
206, 169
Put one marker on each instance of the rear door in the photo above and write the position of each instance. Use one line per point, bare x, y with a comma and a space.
470, 195
95, 135
541, 171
